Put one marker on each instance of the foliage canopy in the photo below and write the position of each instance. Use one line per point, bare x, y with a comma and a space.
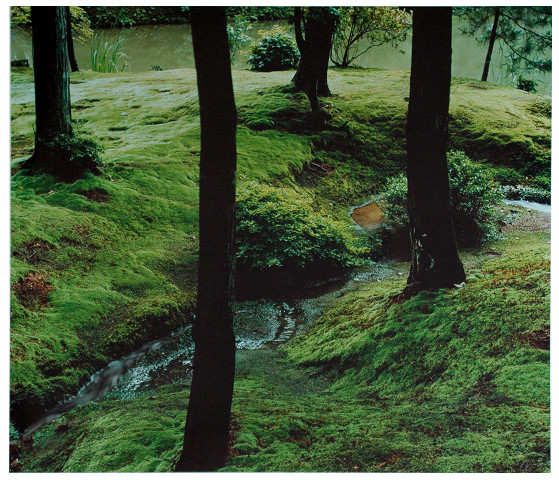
525, 34
81, 26
375, 25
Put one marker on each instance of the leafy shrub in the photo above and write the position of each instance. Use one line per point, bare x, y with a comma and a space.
276, 229
472, 195
237, 33
530, 194
541, 181
276, 51
507, 176
526, 85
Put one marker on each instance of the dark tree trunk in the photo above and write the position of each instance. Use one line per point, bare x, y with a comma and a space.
314, 46
206, 437
52, 78
71, 54
485, 73
435, 261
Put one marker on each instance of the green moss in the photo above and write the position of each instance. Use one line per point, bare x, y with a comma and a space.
448, 381
146, 437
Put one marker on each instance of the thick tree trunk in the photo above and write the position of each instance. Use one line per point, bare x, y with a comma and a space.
485, 73
315, 45
435, 260
71, 53
52, 78
206, 438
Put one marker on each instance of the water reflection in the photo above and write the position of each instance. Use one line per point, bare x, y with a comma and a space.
170, 47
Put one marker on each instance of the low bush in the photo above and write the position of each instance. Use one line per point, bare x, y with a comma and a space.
277, 230
472, 195
541, 181
507, 176
276, 51
527, 193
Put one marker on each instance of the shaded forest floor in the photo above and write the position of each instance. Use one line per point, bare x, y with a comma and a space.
448, 381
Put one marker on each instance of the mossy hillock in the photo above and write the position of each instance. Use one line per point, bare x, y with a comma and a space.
104, 264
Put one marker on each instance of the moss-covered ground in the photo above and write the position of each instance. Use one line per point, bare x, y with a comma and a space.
447, 381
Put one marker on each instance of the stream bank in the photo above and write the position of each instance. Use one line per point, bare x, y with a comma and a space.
262, 324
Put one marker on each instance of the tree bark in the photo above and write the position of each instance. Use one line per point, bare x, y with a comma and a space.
206, 437
485, 73
71, 53
52, 77
312, 72
435, 261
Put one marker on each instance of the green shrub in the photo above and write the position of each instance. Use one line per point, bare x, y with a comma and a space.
507, 176
526, 85
277, 229
472, 195
276, 51
530, 194
541, 181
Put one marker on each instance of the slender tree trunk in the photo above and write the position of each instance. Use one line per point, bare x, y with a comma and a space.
435, 260
485, 73
71, 53
206, 437
52, 78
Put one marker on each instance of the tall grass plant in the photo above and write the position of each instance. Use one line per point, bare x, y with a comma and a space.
107, 57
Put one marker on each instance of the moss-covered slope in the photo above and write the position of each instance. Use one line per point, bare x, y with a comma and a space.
106, 263
449, 381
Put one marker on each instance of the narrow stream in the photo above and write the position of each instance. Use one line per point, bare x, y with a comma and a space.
538, 207
259, 324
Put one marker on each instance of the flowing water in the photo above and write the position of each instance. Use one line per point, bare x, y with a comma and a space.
259, 324
170, 47
538, 207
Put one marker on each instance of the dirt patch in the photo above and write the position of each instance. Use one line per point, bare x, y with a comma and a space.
533, 222
32, 290
369, 217
95, 195
537, 338
34, 251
